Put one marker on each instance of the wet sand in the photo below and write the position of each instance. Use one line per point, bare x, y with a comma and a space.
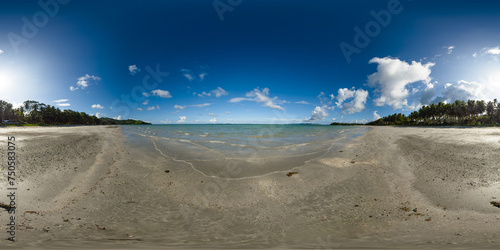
91, 187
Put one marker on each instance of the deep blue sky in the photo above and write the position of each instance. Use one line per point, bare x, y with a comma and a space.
265, 62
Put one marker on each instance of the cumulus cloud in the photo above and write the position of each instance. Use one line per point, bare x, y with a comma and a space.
213, 120
118, 117
182, 119
161, 93
375, 115
318, 114
133, 69
218, 92
462, 90
85, 81
140, 109
151, 108
145, 102
260, 96
97, 106
492, 51
344, 94
357, 104
392, 78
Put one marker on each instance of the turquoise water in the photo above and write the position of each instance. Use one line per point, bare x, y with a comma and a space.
256, 149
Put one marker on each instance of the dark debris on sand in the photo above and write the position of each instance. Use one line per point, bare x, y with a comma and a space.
495, 203
291, 173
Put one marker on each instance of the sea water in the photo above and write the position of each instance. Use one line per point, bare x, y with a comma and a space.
254, 150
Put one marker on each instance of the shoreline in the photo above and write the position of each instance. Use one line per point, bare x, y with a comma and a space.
389, 187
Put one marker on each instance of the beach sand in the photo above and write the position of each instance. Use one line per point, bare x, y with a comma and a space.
91, 187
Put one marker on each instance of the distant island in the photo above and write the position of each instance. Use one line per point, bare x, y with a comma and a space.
36, 113
459, 113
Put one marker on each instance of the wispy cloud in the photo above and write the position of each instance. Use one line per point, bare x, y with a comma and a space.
201, 105
1, 51
133, 69
260, 96
61, 100
188, 74
84, 81
450, 49
179, 107
302, 102
218, 92
62, 103
97, 106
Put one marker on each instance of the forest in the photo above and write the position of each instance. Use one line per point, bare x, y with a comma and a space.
458, 113
37, 113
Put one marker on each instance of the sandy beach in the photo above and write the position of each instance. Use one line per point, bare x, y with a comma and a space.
392, 187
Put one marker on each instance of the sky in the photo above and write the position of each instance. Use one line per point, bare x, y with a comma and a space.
248, 61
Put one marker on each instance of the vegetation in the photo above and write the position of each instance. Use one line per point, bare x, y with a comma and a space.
33, 112
345, 124
470, 113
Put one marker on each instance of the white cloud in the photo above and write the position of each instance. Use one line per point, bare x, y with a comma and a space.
492, 51
182, 119
151, 108
344, 94
227, 112
200, 105
392, 78
213, 120
260, 96
161, 93
140, 109
188, 74
375, 115
319, 113
211, 114
450, 49
97, 106
166, 121
357, 104
145, 102
1, 51
118, 117
302, 102
61, 100
474, 55
146, 94
216, 92
463, 90
99, 115
179, 107
85, 81
133, 69
202, 76
63, 104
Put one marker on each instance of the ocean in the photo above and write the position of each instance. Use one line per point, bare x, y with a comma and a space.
254, 150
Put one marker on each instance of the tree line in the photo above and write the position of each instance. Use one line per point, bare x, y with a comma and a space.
470, 113
33, 112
